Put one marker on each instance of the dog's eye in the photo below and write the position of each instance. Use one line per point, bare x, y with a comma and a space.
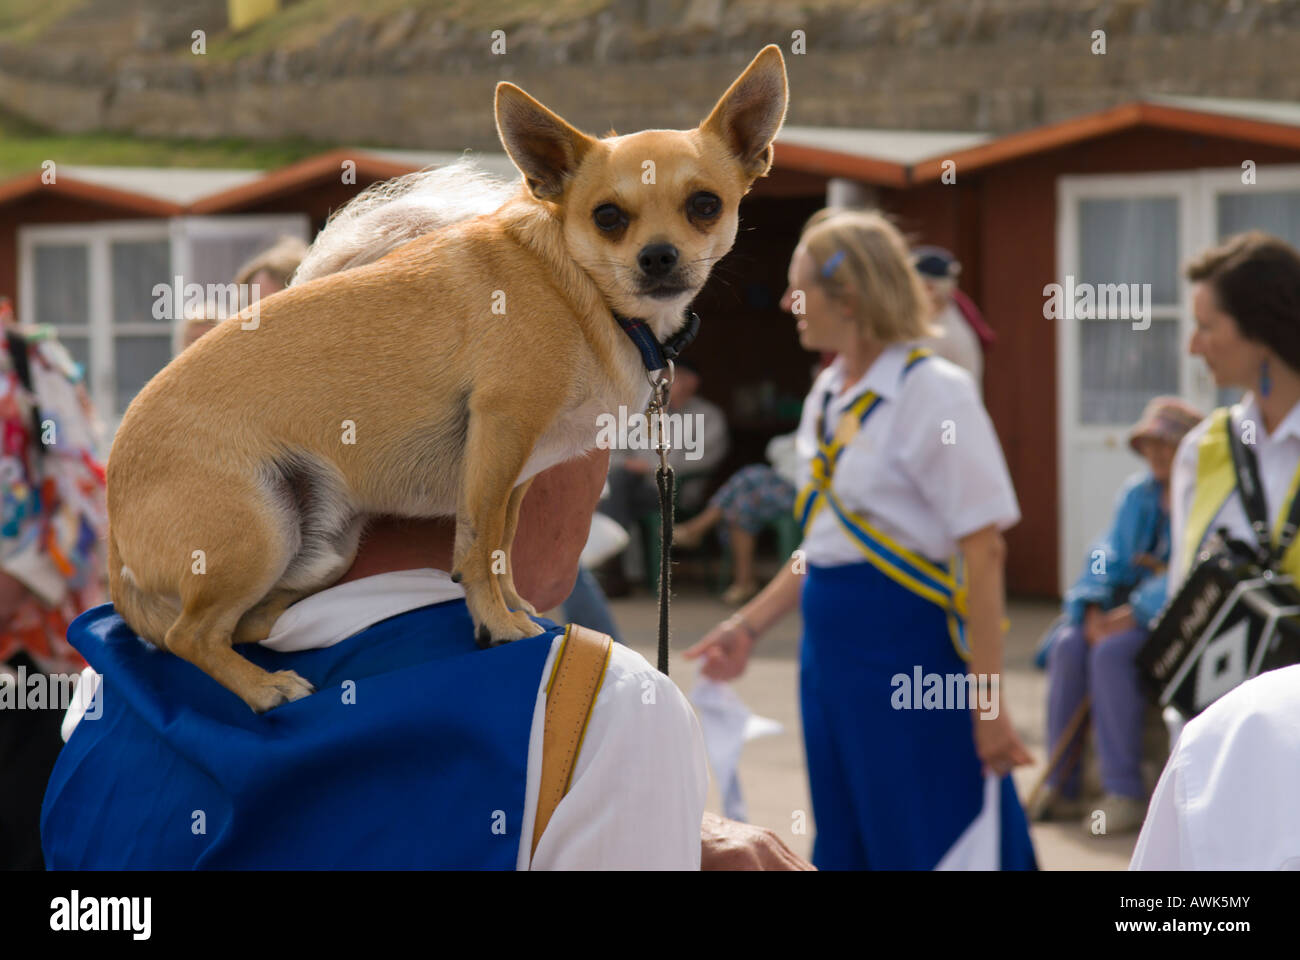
609, 217
704, 205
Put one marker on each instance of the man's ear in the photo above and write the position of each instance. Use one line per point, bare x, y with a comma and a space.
751, 112
545, 148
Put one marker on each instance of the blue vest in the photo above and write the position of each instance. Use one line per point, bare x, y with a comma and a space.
412, 754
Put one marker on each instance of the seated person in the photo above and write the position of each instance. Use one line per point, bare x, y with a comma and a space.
417, 750
632, 489
751, 498
1107, 615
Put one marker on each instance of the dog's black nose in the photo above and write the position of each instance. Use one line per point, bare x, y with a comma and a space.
657, 259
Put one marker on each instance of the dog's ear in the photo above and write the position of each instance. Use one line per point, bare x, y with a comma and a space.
751, 112
545, 148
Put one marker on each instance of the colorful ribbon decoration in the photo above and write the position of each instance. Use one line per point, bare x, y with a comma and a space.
935, 582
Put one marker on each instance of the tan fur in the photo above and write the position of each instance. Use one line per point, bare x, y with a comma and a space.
455, 407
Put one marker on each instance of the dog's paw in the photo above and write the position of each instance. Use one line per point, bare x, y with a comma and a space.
281, 687
517, 625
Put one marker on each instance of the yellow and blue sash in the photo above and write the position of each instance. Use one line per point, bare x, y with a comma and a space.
939, 583
1215, 481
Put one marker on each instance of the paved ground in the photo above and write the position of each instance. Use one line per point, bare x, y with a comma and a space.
772, 768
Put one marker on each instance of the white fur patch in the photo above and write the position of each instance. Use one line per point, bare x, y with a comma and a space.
390, 213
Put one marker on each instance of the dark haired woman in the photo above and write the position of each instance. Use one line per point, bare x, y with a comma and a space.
1246, 299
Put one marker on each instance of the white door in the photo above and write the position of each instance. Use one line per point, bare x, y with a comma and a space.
211, 249
97, 284
1140, 229
1130, 230
94, 284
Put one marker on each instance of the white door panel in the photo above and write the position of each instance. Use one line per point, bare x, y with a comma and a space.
1117, 231
1140, 229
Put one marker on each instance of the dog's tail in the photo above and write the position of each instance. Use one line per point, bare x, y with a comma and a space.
386, 215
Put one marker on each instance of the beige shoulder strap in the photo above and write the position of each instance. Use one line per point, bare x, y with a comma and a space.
571, 693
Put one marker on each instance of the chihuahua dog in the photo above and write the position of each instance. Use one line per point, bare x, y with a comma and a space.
436, 380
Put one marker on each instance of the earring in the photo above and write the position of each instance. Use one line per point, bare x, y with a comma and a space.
1265, 384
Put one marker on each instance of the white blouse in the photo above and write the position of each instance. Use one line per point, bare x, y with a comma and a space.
926, 467
1277, 454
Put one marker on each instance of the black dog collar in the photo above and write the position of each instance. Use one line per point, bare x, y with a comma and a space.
655, 355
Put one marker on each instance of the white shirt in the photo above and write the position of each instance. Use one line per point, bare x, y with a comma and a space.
1277, 455
1227, 799
926, 467
958, 342
638, 790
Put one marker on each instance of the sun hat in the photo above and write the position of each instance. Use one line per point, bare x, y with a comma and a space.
1165, 418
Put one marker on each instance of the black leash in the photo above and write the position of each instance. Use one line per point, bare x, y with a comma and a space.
664, 478
658, 360
1251, 489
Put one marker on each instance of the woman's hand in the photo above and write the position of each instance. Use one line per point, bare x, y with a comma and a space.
998, 745
725, 650
1093, 623
1119, 620
726, 647
1106, 625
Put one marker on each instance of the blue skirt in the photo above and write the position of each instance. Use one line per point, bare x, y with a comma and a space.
892, 789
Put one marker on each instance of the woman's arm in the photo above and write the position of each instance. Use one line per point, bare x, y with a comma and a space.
984, 552
773, 602
996, 741
727, 646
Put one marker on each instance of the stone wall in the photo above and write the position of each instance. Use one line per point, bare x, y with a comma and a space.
415, 79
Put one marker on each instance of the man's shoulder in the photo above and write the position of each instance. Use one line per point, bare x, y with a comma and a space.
1233, 743
625, 662
631, 684
1226, 763
1266, 707
632, 677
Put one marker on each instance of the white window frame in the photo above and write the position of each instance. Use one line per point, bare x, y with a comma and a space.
1072, 189
184, 229
99, 329
97, 238
1268, 179
1070, 433
1197, 191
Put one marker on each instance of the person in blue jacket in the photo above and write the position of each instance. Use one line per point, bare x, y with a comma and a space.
1107, 615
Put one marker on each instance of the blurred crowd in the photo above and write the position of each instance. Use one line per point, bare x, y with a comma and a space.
53, 523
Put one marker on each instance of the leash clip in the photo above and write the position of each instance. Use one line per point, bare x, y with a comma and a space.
660, 386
